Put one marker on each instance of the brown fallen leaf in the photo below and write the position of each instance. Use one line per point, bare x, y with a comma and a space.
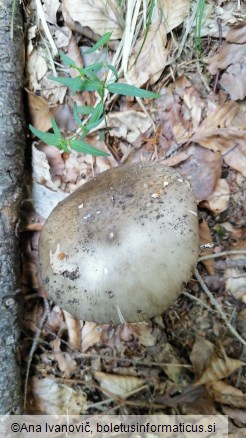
74, 330
39, 112
233, 80
226, 394
173, 13
237, 414
119, 386
219, 368
224, 131
205, 237
218, 201
66, 364
235, 278
91, 334
201, 355
202, 169
237, 34
101, 17
227, 55
47, 397
148, 64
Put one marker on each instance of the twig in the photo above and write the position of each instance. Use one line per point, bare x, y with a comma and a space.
219, 309
34, 346
199, 301
222, 254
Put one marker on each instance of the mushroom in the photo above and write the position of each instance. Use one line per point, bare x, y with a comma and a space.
122, 246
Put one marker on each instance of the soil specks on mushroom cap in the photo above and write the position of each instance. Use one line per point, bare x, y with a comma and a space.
135, 235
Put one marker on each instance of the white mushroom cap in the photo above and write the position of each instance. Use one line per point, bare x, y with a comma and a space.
121, 247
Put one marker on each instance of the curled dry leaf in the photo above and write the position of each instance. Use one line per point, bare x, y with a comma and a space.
237, 414
128, 124
202, 168
119, 386
227, 55
151, 59
224, 130
201, 355
173, 13
36, 69
50, 10
52, 91
219, 368
74, 330
205, 237
226, 394
54, 158
233, 80
47, 397
41, 169
39, 112
235, 277
218, 201
66, 364
231, 57
45, 200
237, 34
100, 16
44, 192
91, 334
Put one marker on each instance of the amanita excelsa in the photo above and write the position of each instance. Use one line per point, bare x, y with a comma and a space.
121, 247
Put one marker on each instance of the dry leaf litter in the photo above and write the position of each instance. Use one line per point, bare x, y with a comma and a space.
186, 361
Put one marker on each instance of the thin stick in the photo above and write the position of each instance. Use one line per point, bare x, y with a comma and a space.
219, 309
34, 346
222, 254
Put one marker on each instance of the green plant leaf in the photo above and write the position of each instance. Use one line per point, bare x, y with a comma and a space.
91, 125
47, 137
55, 128
67, 61
76, 114
103, 40
130, 90
97, 112
113, 69
86, 148
73, 83
85, 109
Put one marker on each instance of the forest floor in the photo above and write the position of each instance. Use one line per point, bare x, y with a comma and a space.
190, 360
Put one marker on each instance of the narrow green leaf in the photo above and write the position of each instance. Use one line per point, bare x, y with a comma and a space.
97, 112
76, 114
67, 61
113, 69
85, 109
86, 148
103, 40
130, 90
46, 137
73, 83
55, 128
95, 85
91, 125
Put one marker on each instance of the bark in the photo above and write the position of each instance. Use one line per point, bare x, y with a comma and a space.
12, 149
